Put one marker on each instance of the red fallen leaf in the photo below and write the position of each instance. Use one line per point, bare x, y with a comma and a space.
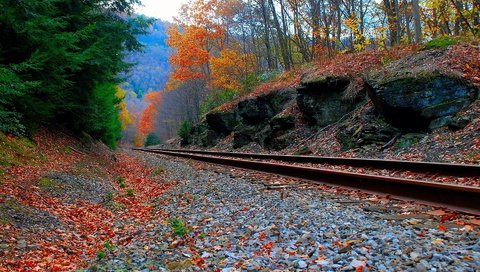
267, 246
198, 261
359, 268
422, 233
447, 217
441, 228
261, 237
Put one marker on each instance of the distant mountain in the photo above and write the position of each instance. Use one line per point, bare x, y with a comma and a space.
152, 68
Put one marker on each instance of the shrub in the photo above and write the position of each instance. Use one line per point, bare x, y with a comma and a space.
152, 139
216, 99
184, 130
100, 254
130, 192
178, 226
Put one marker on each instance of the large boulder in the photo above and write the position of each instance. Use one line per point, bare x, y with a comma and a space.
280, 99
272, 135
323, 101
202, 135
254, 110
222, 122
420, 102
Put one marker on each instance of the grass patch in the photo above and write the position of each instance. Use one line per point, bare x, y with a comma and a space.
100, 255
67, 150
442, 42
47, 184
130, 192
121, 182
10, 206
108, 245
158, 171
108, 197
178, 226
18, 151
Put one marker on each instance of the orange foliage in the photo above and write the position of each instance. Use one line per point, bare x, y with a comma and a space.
191, 53
146, 123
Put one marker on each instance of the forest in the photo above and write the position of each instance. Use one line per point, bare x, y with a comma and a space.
221, 50
60, 64
93, 66
364, 114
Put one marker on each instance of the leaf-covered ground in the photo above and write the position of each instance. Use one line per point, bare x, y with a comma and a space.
64, 202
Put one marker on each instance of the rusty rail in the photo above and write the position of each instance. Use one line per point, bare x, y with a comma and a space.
453, 169
461, 198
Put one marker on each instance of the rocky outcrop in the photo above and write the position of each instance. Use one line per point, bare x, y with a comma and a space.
372, 132
275, 135
322, 101
254, 111
421, 102
257, 121
222, 122
202, 135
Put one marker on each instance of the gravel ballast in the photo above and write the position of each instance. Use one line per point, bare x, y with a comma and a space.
236, 223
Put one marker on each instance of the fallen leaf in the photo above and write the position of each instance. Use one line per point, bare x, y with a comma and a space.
436, 212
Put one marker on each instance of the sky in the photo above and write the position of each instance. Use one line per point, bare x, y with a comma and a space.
162, 9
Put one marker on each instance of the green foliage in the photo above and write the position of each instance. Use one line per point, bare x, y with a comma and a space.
108, 197
152, 139
184, 130
108, 245
250, 82
59, 61
101, 119
442, 42
47, 184
121, 182
178, 226
158, 171
216, 99
130, 192
100, 255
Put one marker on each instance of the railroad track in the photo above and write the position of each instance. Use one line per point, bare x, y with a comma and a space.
456, 197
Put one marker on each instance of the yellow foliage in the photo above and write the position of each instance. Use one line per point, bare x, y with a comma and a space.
230, 68
124, 115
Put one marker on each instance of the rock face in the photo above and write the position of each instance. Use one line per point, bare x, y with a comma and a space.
371, 132
252, 120
419, 103
256, 116
222, 122
322, 101
255, 110
276, 135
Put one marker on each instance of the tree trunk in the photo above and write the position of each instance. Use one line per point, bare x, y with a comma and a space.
416, 21
266, 33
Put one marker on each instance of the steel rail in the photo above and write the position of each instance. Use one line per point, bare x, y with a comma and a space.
460, 198
431, 167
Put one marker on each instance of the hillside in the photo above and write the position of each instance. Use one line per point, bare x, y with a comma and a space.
300, 111
66, 200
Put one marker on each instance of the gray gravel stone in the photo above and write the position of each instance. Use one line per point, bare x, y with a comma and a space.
237, 225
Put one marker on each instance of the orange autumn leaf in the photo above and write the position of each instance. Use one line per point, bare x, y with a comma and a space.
267, 246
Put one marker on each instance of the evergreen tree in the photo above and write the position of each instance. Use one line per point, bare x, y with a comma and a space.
59, 61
